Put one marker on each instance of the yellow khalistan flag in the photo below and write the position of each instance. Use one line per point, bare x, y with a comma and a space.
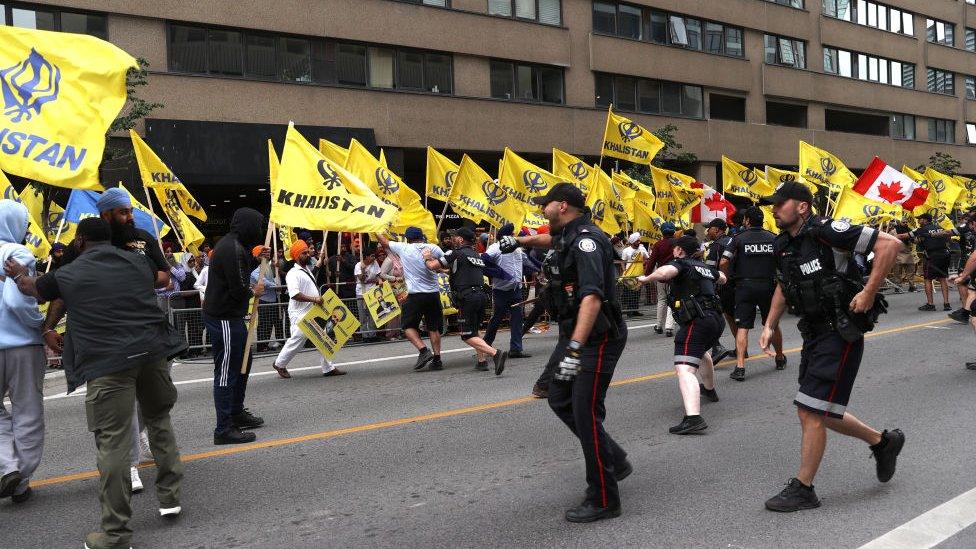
943, 194
674, 193
440, 175
776, 177
392, 190
36, 242
822, 168
633, 191
856, 208
315, 193
571, 169
285, 233
136, 205
33, 198
60, 93
524, 180
476, 195
968, 196
598, 200
158, 177
186, 232
739, 180
769, 223
336, 153
625, 139
647, 221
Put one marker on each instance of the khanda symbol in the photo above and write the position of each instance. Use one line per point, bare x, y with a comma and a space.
748, 176
629, 131
871, 210
386, 182
674, 181
787, 178
939, 186
493, 192
449, 178
599, 209
579, 170
828, 167
533, 181
10, 194
330, 179
28, 85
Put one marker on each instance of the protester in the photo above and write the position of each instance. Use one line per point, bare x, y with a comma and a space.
119, 343
115, 206
661, 254
506, 293
367, 274
634, 252
269, 315
22, 363
391, 271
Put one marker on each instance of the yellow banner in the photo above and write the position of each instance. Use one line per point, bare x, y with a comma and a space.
944, 192
35, 240
822, 168
330, 325
599, 199
476, 194
381, 304
60, 93
627, 140
633, 192
737, 179
444, 282
776, 177
647, 222
136, 205
968, 197
336, 153
858, 209
674, 194
158, 177
285, 233
441, 173
315, 193
570, 168
769, 222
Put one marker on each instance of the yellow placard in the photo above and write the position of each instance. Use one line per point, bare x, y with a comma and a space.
445, 284
382, 304
330, 325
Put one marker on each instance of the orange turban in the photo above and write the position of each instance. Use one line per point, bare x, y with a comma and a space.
297, 248
256, 251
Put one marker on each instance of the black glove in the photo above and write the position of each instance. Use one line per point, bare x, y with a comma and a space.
508, 244
570, 364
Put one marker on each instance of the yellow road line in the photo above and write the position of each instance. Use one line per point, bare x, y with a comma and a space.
274, 443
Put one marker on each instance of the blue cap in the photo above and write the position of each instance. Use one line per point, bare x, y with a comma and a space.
413, 233
668, 228
113, 198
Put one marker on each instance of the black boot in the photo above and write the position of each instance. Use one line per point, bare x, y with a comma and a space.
588, 512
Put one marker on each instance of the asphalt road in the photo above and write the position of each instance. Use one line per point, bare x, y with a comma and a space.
388, 457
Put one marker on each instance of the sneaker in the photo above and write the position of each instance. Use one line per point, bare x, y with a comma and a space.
423, 358
780, 362
144, 447
886, 453
971, 365
540, 391
588, 512
946, 307
136, 481
436, 364
927, 307
518, 354
795, 497
9, 483
668, 333
246, 420
334, 372
481, 366
710, 394
959, 315
689, 424
170, 512
99, 540
23, 496
738, 374
658, 330
235, 436
499, 360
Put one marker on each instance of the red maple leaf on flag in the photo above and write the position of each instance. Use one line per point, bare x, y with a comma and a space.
890, 192
715, 202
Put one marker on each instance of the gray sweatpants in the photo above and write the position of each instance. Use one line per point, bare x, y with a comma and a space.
22, 427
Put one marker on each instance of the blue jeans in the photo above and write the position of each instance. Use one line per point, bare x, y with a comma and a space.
503, 301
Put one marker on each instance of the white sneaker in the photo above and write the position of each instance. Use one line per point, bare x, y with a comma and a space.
144, 446
170, 512
136, 481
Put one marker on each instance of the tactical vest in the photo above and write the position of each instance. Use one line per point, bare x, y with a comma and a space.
716, 249
934, 245
468, 270
693, 291
754, 257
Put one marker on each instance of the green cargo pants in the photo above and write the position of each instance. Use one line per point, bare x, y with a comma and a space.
109, 403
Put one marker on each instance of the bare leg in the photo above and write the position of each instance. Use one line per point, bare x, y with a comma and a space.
928, 292
963, 293
690, 393
778, 342
741, 342
413, 336
479, 344
813, 444
944, 284
707, 372
435, 341
853, 427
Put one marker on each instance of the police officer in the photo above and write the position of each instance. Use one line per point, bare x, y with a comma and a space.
749, 262
814, 257
467, 275
967, 244
934, 244
965, 277
697, 310
592, 335
719, 241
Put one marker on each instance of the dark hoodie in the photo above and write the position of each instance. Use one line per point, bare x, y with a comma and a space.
229, 278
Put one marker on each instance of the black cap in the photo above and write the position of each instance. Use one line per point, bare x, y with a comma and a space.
718, 223
465, 233
927, 216
687, 243
562, 192
786, 191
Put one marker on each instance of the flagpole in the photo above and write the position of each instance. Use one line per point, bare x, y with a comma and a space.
441, 220
262, 273
153, 212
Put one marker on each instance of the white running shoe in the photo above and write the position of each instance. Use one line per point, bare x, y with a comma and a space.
170, 512
136, 481
144, 446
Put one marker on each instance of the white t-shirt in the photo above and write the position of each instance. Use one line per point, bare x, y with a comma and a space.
300, 281
629, 253
419, 278
371, 271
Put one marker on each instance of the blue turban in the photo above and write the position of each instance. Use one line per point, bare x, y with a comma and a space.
113, 198
506, 230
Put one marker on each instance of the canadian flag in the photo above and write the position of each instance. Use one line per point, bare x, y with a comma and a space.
886, 184
713, 205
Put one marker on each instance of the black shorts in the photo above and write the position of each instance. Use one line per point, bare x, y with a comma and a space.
697, 337
472, 304
426, 306
936, 266
828, 368
727, 296
749, 294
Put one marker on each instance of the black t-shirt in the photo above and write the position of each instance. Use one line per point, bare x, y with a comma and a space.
146, 244
47, 287
694, 278
752, 254
716, 250
930, 243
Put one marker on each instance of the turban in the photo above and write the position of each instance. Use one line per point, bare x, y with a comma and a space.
256, 251
634, 238
113, 198
297, 248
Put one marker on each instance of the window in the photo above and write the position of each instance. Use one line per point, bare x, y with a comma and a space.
971, 133
725, 107
381, 61
939, 32
867, 67
856, 122
970, 39
648, 96
439, 73
940, 81
410, 70
187, 49
261, 57
786, 114
902, 126
226, 50
536, 83
634, 22
971, 87
295, 59
548, 12
785, 51
792, 3
871, 14
351, 64
942, 131
53, 19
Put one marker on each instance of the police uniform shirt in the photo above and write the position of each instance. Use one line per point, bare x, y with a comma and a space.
700, 276
823, 246
467, 267
592, 256
752, 254
716, 250
929, 243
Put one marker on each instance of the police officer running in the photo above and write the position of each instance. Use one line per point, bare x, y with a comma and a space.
749, 262
719, 241
466, 268
592, 336
934, 244
814, 257
693, 298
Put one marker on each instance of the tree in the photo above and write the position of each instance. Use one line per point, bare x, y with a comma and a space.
943, 163
136, 108
667, 157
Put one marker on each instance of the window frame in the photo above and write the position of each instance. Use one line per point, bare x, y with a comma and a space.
945, 76
671, 28
56, 12
904, 124
947, 29
886, 78
881, 22
660, 84
779, 51
514, 13
537, 70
